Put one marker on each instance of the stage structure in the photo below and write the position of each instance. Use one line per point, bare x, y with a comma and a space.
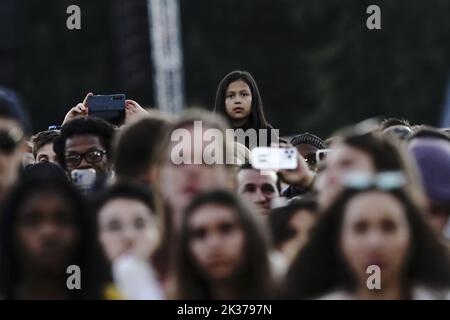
165, 40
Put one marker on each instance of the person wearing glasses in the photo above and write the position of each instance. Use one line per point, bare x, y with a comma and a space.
84, 143
307, 145
373, 242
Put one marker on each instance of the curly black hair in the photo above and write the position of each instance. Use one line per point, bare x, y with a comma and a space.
83, 126
308, 138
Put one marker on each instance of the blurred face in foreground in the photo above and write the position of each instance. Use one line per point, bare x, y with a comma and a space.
301, 223
375, 231
180, 183
127, 226
46, 233
343, 159
216, 242
11, 147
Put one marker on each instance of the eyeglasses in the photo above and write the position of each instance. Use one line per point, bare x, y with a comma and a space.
9, 139
387, 180
91, 157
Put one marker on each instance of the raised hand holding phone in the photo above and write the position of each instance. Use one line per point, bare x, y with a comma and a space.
264, 158
301, 176
133, 111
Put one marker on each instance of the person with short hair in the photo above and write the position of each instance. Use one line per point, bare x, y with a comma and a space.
43, 146
307, 145
258, 188
398, 128
85, 143
135, 148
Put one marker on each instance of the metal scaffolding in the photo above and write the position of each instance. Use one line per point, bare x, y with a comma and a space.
165, 39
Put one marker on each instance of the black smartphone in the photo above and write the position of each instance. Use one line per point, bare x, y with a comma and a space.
108, 107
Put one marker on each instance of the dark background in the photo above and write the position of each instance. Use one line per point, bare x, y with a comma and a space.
317, 65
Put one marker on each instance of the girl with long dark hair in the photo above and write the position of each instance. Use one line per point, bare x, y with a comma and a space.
365, 229
239, 101
222, 253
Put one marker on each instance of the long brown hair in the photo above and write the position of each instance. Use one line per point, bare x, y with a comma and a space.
257, 119
320, 267
253, 280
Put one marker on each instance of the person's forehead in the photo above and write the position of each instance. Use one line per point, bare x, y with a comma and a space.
48, 147
46, 201
373, 204
124, 209
83, 142
238, 85
344, 151
246, 176
211, 214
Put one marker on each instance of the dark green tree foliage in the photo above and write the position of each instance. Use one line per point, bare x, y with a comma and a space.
317, 65
57, 67
400, 70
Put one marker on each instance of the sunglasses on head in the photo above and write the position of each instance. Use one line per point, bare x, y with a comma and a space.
10, 139
386, 180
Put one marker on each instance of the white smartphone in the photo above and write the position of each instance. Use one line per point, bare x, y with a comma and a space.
83, 179
265, 158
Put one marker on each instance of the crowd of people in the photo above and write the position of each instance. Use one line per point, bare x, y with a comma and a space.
111, 200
